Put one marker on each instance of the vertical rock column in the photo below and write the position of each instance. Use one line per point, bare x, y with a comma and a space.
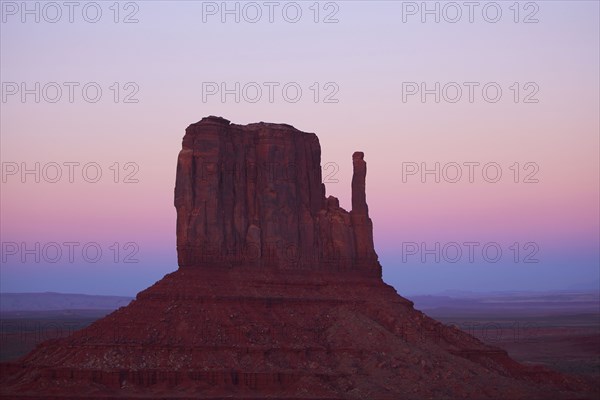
361, 223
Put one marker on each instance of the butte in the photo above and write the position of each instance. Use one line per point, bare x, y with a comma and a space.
278, 295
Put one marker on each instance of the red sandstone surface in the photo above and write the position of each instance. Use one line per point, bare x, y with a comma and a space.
278, 295
253, 195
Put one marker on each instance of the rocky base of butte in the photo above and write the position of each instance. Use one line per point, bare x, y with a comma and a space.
278, 296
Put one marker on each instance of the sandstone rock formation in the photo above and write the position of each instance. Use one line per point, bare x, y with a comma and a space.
252, 195
278, 296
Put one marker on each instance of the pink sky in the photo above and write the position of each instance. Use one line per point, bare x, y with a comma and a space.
368, 54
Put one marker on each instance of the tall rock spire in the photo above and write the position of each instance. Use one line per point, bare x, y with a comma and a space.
361, 223
359, 196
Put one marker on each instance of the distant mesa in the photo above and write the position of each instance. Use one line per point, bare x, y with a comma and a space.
15, 302
278, 295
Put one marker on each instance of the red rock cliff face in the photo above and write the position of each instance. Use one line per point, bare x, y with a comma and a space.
252, 195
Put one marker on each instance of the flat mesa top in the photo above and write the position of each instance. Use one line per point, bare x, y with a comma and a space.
214, 120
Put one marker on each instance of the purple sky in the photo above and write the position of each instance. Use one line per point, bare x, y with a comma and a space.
517, 94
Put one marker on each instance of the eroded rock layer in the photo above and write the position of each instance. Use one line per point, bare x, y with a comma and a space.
247, 333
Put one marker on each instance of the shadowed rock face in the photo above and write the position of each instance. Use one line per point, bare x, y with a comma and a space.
252, 195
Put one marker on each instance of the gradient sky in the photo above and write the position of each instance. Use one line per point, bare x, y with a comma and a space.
367, 55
